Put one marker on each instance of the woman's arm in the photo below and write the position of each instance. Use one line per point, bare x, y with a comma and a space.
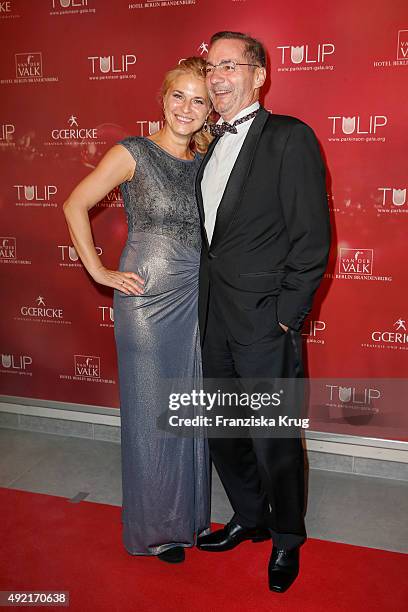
116, 166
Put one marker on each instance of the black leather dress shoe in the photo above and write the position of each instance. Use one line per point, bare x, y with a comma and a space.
283, 569
173, 555
230, 536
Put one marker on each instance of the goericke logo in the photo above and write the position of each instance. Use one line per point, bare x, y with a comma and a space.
41, 312
74, 135
305, 57
74, 132
394, 338
7, 9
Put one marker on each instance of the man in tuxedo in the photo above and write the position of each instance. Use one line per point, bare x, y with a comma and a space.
266, 234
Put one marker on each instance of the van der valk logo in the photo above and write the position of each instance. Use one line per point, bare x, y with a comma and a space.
88, 366
28, 65
356, 261
8, 247
402, 52
307, 54
113, 66
357, 124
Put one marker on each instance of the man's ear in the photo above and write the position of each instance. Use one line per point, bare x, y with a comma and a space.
260, 77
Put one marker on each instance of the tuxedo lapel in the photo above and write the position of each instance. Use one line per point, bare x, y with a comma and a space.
236, 183
199, 194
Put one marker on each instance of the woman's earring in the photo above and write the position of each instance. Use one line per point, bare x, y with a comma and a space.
205, 126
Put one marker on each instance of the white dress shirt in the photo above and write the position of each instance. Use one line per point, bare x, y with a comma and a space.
220, 165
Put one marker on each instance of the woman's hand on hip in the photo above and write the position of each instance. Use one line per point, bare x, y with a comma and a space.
129, 283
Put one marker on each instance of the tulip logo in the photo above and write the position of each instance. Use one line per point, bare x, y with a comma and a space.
69, 252
35, 193
104, 64
398, 196
6, 361
297, 54
348, 125
344, 394
106, 316
308, 54
29, 192
6, 131
16, 362
363, 396
69, 3
110, 63
149, 127
357, 124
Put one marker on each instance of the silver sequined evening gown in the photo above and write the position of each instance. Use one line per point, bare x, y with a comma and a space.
165, 479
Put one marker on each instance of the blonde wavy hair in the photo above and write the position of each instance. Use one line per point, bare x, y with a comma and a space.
190, 65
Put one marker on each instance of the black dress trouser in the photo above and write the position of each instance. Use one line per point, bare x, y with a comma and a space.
263, 476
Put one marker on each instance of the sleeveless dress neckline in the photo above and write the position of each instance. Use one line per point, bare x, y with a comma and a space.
189, 161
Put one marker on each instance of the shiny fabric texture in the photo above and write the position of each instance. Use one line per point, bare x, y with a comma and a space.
165, 479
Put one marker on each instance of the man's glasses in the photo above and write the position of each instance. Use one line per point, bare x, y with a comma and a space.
224, 67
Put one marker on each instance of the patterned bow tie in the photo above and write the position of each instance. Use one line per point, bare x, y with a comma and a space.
220, 129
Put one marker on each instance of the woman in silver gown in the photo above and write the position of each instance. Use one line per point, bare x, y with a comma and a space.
165, 478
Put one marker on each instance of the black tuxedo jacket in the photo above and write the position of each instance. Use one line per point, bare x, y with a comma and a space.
272, 232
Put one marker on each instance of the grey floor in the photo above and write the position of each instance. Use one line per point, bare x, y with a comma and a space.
361, 510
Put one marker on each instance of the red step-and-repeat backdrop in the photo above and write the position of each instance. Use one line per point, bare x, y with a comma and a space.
78, 75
